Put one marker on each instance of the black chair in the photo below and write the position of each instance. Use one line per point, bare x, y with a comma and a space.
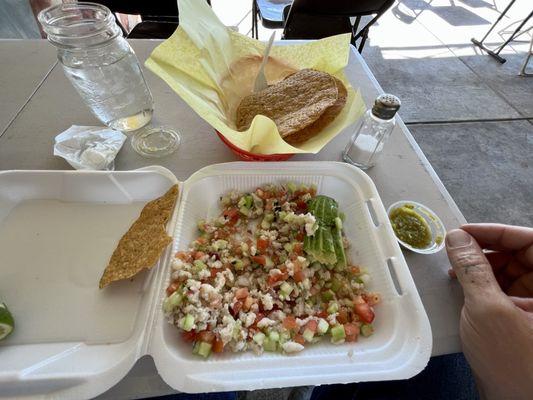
270, 12
159, 18
316, 19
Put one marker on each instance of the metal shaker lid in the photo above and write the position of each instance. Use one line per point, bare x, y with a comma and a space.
386, 106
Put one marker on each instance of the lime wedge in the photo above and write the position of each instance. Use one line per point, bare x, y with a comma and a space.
7, 323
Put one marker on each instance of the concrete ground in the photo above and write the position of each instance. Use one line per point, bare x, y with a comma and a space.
472, 116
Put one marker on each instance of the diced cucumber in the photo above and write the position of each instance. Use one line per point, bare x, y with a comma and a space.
201, 225
337, 333
336, 285
328, 295
291, 187
282, 215
323, 326
202, 349
268, 262
237, 264
172, 301
265, 224
220, 244
199, 265
288, 247
246, 201
270, 345
269, 217
367, 330
186, 323
333, 307
274, 336
308, 335
245, 211
284, 336
286, 288
259, 338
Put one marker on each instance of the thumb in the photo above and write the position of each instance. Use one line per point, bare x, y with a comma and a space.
472, 268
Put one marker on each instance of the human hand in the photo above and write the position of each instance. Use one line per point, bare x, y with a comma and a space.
496, 324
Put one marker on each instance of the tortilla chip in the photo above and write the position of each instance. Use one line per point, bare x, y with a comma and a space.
293, 104
142, 245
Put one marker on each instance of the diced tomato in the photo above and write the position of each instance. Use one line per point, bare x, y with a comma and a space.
351, 329
214, 272
300, 236
322, 314
261, 194
201, 240
365, 312
299, 276
312, 325
312, 191
342, 317
183, 256
218, 345
261, 260
241, 293
172, 287
236, 308
299, 339
273, 279
198, 255
232, 215
206, 336
262, 244
290, 322
248, 303
301, 206
298, 248
355, 270
189, 336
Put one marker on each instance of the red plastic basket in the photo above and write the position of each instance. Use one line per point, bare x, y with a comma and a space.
247, 156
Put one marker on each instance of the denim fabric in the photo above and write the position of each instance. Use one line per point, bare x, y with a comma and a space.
445, 378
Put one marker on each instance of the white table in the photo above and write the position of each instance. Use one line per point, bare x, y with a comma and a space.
53, 106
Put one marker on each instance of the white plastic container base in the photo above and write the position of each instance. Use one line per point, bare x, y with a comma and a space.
74, 341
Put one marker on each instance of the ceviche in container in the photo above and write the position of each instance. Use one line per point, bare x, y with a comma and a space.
270, 273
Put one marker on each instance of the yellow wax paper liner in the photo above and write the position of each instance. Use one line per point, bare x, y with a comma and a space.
197, 58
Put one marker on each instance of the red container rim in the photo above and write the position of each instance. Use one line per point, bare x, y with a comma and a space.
246, 155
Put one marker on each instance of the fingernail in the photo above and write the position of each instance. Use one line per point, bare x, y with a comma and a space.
458, 238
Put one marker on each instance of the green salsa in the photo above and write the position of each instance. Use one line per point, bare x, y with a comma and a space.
410, 227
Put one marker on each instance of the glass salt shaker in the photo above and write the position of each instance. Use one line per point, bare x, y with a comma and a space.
374, 130
104, 70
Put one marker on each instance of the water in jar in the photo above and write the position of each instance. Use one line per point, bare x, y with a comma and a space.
110, 81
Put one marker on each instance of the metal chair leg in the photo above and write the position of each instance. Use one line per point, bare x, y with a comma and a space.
526, 61
255, 22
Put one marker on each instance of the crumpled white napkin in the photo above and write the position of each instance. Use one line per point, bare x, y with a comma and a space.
89, 147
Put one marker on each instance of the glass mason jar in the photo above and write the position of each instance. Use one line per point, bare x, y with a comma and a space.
100, 63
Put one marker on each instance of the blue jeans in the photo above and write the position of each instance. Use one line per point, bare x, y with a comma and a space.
445, 378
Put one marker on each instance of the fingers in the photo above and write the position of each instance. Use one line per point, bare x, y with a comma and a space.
522, 287
500, 237
471, 266
524, 303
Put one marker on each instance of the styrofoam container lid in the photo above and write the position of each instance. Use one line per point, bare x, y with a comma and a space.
75, 341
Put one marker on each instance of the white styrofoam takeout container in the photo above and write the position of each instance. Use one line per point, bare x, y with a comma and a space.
72, 340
